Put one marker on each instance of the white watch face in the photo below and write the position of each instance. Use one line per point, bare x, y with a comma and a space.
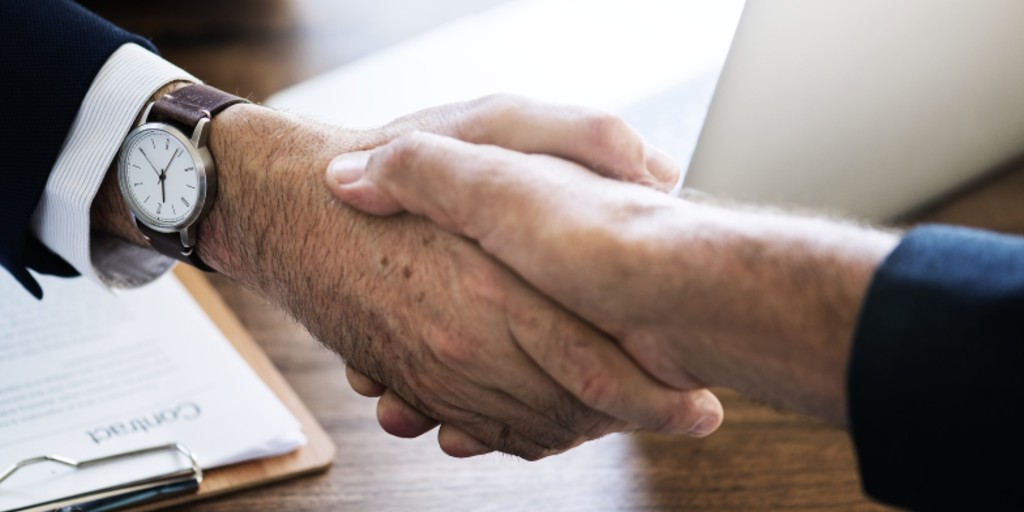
159, 178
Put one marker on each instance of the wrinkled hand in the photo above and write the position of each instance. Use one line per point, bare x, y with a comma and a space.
444, 327
761, 302
586, 241
603, 141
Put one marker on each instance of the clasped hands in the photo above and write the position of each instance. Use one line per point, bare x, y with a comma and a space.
562, 336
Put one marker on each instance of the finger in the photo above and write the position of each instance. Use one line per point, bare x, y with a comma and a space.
362, 384
463, 438
503, 423
400, 419
598, 140
474, 190
595, 370
459, 444
508, 212
508, 201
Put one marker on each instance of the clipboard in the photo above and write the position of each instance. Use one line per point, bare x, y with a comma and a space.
191, 483
313, 457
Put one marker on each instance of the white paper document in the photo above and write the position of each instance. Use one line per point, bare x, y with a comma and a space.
85, 373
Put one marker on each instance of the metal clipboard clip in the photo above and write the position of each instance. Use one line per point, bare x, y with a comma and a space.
117, 497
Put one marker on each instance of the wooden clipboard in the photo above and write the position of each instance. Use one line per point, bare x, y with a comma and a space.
315, 456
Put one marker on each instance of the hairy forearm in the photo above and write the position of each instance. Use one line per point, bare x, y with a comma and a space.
271, 215
272, 220
265, 161
777, 303
265, 205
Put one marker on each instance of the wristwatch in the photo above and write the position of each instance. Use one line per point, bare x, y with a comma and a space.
166, 172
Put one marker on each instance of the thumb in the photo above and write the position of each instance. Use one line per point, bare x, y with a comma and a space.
344, 175
466, 188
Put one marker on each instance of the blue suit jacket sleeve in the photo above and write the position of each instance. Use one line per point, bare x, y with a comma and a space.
936, 376
50, 51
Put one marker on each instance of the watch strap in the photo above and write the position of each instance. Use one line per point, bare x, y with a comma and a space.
169, 244
185, 107
188, 105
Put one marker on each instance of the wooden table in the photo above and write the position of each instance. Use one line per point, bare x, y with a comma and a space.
761, 459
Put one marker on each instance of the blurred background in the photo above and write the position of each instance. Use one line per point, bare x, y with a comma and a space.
257, 47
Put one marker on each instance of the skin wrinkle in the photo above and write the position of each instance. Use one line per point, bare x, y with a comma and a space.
561, 406
264, 262
740, 259
407, 162
765, 265
561, 409
276, 230
764, 303
469, 358
508, 402
783, 323
607, 132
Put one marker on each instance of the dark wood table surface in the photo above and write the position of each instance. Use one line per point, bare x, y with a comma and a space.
761, 459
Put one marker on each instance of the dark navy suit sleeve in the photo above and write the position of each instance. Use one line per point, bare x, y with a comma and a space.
50, 51
936, 375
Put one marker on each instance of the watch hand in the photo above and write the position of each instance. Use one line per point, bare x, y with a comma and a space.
168, 166
163, 176
149, 162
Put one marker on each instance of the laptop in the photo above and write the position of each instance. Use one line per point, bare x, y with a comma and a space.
868, 108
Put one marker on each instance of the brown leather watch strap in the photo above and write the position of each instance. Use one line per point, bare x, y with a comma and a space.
169, 244
186, 106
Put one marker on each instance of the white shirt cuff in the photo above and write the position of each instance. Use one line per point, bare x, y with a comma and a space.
129, 78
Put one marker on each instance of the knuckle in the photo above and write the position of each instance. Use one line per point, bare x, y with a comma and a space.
498, 108
606, 130
402, 153
499, 100
620, 147
491, 288
492, 115
529, 454
596, 389
456, 352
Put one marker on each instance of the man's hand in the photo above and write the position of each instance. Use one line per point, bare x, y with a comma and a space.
763, 303
422, 311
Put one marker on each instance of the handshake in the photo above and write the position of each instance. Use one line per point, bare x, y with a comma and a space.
516, 272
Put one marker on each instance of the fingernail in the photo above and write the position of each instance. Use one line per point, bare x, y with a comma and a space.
661, 166
348, 168
705, 426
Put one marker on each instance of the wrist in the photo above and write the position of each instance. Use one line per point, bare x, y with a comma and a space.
780, 299
270, 192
